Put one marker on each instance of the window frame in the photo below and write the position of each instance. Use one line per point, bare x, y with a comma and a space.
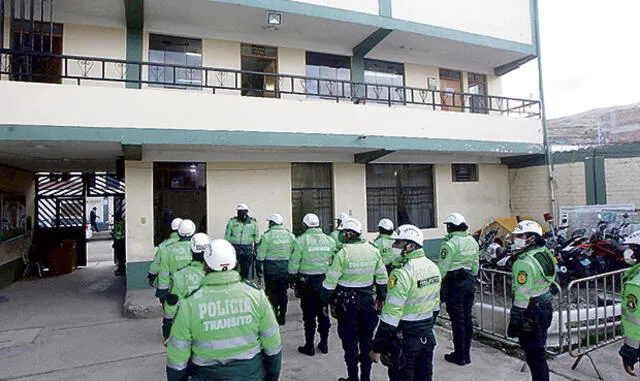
474, 176
174, 84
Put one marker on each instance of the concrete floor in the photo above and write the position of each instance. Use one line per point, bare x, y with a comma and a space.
71, 328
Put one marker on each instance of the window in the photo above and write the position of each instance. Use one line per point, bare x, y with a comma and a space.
464, 172
331, 67
259, 59
478, 87
384, 74
312, 192
46, 38
179, 51
179, 191
402, 193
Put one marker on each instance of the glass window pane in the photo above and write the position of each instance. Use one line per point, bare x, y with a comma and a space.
400, 192
312, 192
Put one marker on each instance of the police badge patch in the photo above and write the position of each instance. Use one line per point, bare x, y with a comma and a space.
443, 253
632, 303
522, 277
392, 281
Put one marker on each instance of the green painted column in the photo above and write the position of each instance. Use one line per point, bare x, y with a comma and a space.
384, 8
357, 74
595, 180
134, 14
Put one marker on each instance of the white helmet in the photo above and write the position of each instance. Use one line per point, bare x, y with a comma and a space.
386, 224
351, 224
528, 226
200, 243
175, 224
187, 228
311, 220
409, 233
242, 207
630, 254
276, 219
221, 257
342, 216
455, 219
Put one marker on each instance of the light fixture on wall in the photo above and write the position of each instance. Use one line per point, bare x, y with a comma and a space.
274, 18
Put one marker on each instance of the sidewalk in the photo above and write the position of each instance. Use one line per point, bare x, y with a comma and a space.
71, 327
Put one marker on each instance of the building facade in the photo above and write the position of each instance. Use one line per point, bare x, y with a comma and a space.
378, 108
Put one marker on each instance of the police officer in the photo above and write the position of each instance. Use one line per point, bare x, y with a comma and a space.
187, 279
384, 242
410, 310
242, 232
336, 232
459, 265
154, 267
174, 257
119, 245
276, 246
630, 350
226, 329
533, 273
312, 253
349, 286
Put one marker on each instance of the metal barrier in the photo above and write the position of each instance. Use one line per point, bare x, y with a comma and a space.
493, 303
594, 314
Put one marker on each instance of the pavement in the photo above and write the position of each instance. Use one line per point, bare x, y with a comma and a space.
72, 327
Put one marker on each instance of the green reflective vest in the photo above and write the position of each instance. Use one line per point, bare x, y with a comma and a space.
383, 242
459, 251
357, 265
413, 293
174, 257
336, 237
226, 320
530, 278
630, 312
276, 246
242, 233
119, 230
154, 267
183, 282
312, 253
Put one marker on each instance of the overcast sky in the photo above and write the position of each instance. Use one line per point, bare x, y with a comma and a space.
590, 56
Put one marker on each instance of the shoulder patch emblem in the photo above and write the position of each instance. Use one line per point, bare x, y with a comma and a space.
443, 253
632, 303
522, 277
392, 281
331, 260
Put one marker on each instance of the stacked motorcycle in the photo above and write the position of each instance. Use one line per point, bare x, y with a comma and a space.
580, 255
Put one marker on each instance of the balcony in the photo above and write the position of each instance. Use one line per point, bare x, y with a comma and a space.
80, 70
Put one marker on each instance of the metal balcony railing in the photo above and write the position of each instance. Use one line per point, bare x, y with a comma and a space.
50, 68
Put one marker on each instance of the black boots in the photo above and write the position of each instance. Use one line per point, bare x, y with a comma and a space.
323, 347
307, 350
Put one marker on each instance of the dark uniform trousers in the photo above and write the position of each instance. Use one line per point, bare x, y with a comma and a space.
460, 295
120, 251
533, 338
412, 358
276, 289
310, 287
357, 321
245, 260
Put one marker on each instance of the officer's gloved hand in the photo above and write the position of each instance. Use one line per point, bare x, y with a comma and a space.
513, 329
172, 299
152, 279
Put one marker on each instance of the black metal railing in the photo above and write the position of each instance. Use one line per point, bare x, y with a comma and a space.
44, 67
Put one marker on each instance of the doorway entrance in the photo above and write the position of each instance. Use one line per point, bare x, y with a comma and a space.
451, 85
258, 59
40, 37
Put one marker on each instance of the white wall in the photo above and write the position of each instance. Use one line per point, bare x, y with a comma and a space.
94, 41
42, 104
139, 216
622, 185
505, 19
365, 6
293, 62
350, 191
477, 201
264, 187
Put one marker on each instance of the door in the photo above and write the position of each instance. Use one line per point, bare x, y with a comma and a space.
39, 37
451, 87
258, 59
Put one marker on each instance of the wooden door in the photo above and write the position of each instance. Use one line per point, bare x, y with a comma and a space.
451, 87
